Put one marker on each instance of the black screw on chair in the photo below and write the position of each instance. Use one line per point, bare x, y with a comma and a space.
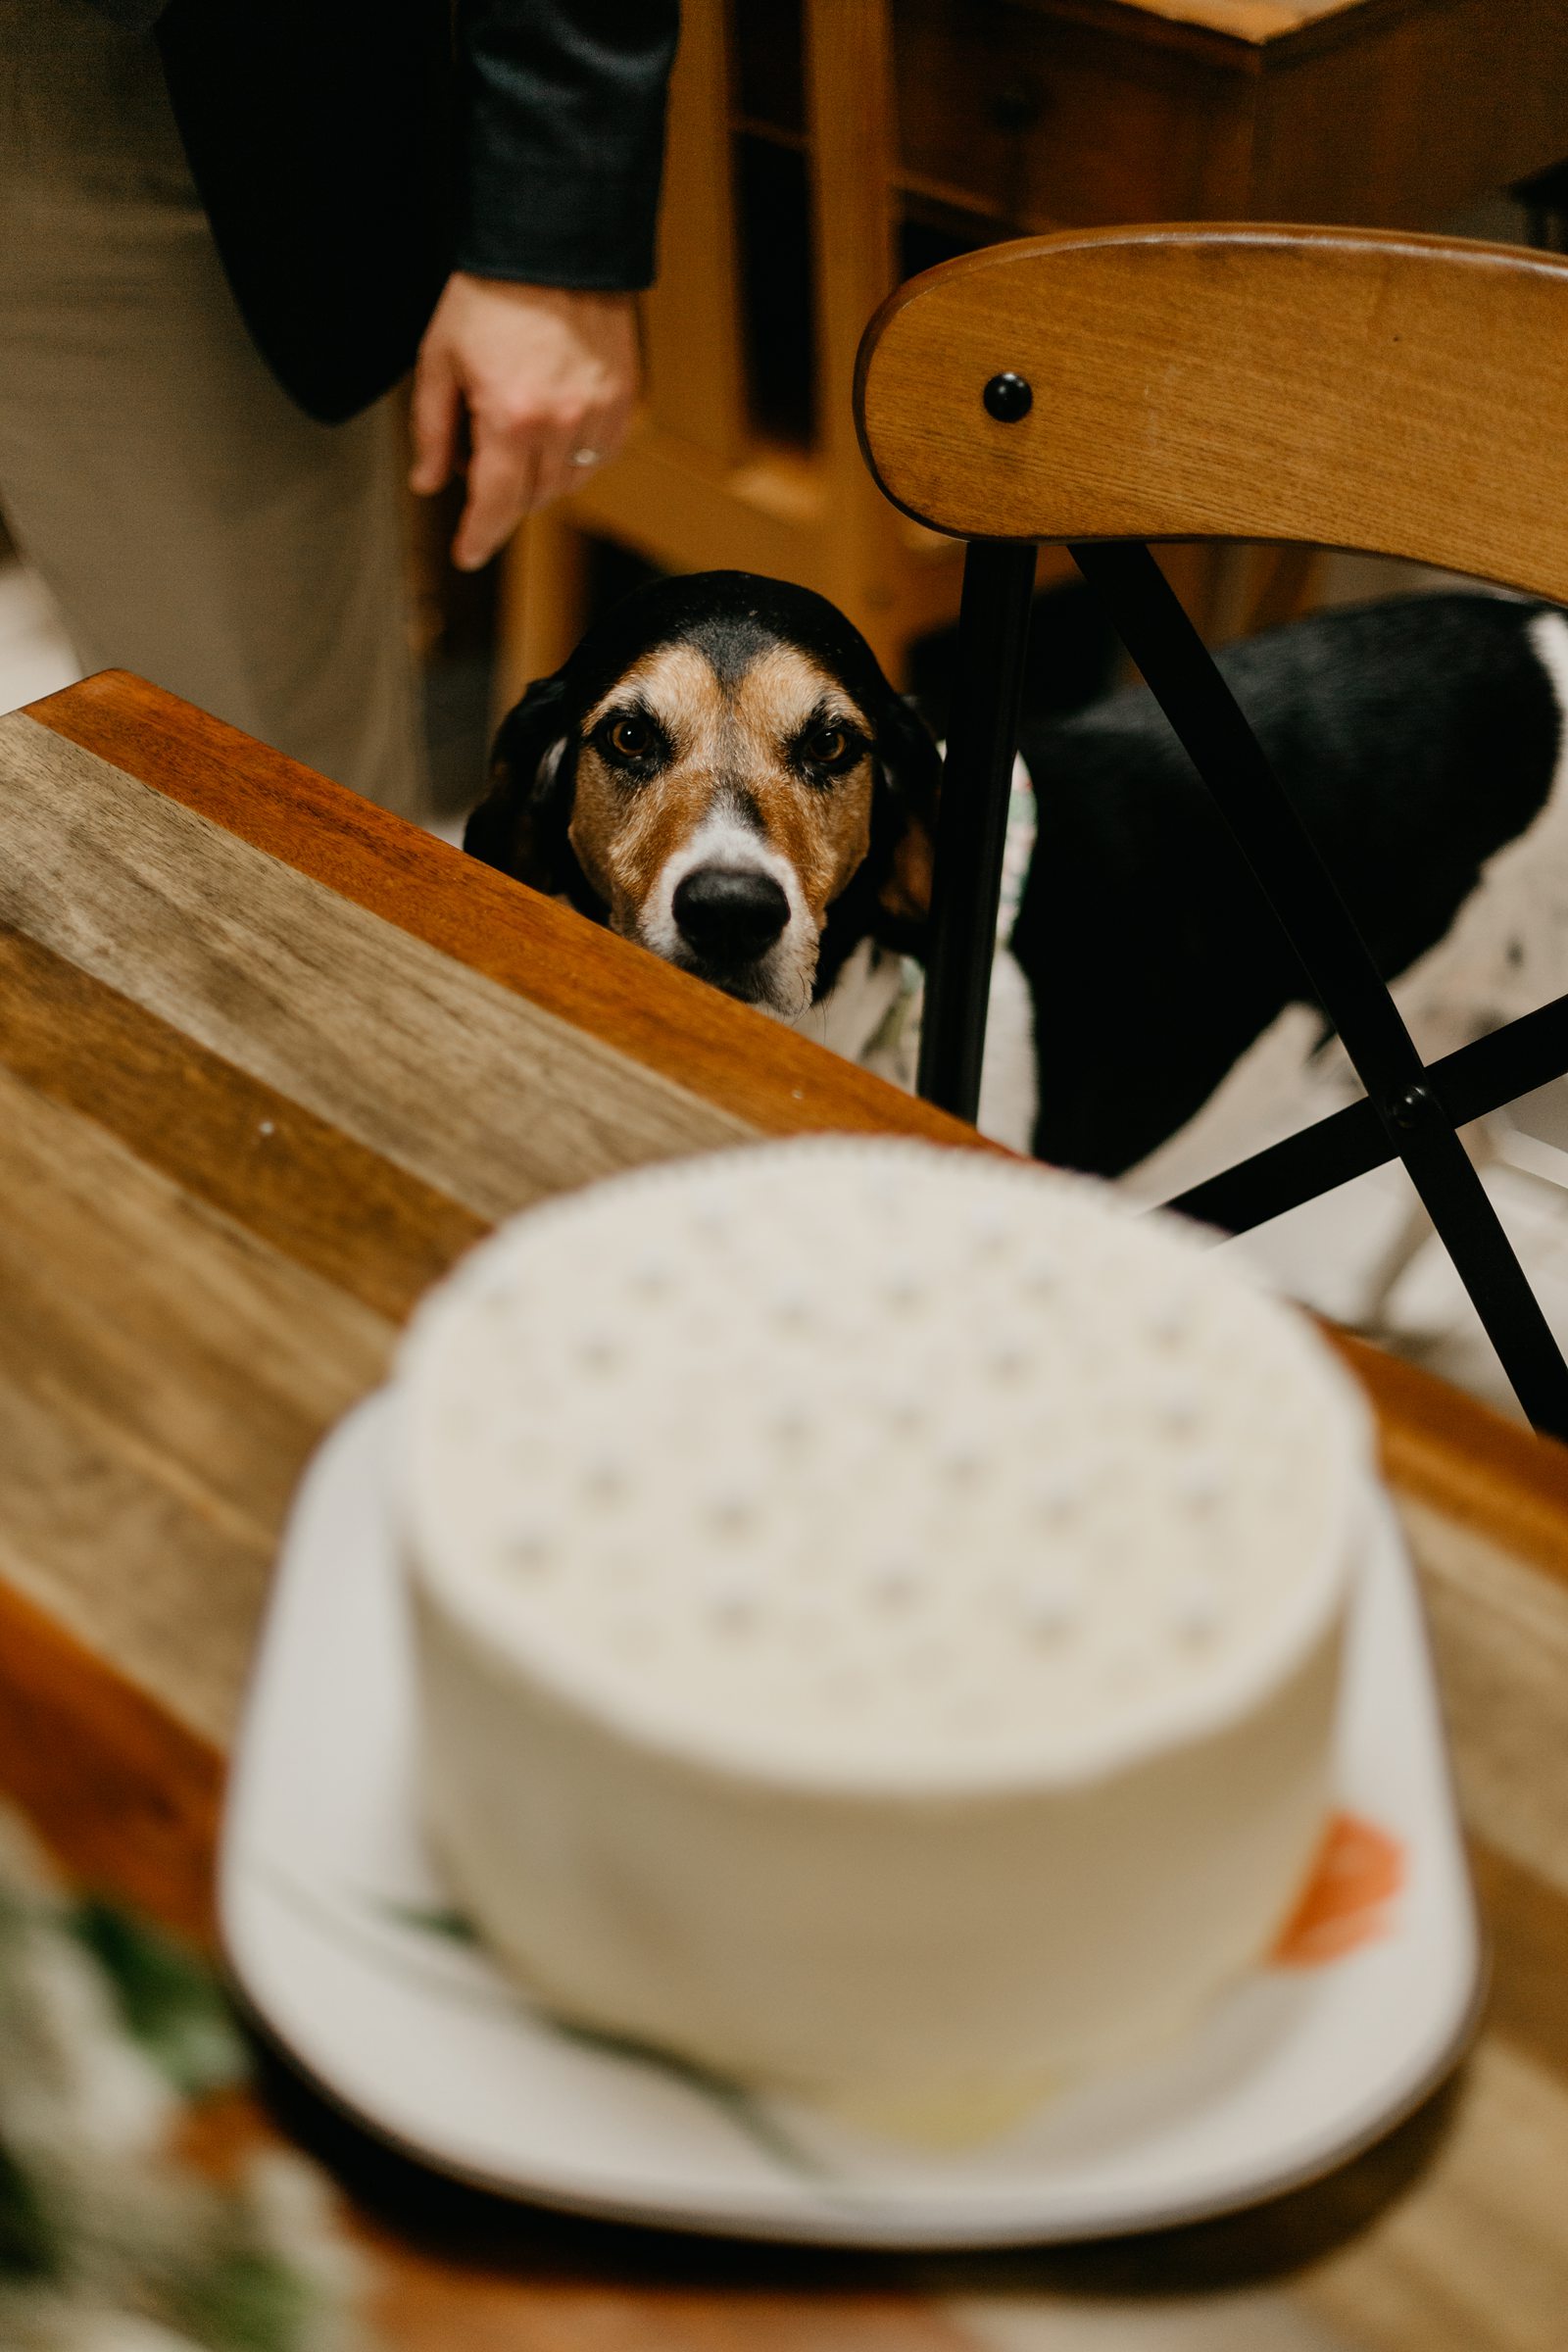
1398, 395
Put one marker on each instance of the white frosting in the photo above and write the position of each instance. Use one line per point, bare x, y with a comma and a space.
847, 1522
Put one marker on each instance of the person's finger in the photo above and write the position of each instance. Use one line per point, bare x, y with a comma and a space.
613, 423
433, 423
501, 488
555, 473
602, 430
563, 464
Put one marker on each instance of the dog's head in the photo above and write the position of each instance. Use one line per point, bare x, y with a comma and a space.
722, 773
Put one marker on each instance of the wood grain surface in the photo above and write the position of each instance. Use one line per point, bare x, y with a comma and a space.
1398, 395
1040, 114
238, 1135
700, 1041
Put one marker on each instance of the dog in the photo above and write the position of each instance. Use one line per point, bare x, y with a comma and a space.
722, 773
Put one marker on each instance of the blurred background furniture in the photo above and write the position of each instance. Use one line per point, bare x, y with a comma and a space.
821, 150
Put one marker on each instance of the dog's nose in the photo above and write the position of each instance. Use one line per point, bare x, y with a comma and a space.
729, 914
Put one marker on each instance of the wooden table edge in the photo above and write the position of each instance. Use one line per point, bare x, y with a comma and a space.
114, 1783
1247, 37
691, 1035
1464, 1460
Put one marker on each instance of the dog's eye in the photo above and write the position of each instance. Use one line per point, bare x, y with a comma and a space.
630, 738
831, 747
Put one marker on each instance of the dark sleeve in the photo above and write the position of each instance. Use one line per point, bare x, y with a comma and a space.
560, 115
131, 16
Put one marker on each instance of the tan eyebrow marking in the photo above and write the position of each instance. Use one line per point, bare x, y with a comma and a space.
675, 682
784, 689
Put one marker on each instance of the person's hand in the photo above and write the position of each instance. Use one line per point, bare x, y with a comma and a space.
547, 376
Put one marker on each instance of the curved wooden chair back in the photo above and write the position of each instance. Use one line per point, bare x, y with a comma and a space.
1398, 395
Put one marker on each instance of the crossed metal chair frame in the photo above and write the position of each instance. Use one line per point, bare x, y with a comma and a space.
1411, 1107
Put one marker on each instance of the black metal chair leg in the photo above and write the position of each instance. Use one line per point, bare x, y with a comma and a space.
1461, 1207
1213, 731
999, 578
1315, 1160
1530, 1051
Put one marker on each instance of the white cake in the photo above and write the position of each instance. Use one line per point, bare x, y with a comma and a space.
878, 1614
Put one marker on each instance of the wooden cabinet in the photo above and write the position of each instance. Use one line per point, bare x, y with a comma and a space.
821, 149
1028, 117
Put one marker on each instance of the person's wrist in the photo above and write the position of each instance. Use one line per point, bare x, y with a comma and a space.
609, 300
547, 375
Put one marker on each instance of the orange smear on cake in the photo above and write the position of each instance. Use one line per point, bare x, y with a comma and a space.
1359, 1871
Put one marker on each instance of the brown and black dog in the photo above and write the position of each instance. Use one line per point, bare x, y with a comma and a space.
722, 773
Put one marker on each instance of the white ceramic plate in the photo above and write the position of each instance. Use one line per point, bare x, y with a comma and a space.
338, 1934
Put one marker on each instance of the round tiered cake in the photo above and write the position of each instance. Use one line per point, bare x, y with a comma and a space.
878, 1613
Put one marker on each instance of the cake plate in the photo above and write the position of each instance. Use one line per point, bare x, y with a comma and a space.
343, 1942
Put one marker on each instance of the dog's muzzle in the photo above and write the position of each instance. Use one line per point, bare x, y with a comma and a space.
728, 915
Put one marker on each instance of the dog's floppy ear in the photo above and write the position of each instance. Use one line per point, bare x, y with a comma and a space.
889, 897
520, 826
904, 826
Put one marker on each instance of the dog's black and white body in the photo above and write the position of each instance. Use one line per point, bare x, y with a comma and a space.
722, 773
1421, 741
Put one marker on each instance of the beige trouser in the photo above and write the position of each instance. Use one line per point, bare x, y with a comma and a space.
193, 525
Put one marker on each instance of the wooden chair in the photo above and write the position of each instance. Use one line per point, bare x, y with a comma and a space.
1395, 395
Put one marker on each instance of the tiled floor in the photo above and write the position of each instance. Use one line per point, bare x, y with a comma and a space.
1313, 1252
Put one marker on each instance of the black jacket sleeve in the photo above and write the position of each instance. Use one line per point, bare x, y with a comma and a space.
560, 128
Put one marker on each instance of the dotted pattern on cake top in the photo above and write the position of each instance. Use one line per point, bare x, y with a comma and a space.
874, 1456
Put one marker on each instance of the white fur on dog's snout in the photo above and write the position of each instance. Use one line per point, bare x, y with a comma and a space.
783, 977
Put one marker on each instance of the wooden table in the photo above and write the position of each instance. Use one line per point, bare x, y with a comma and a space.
269, 1058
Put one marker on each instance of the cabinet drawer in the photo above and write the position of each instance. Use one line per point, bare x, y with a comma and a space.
1041, 122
